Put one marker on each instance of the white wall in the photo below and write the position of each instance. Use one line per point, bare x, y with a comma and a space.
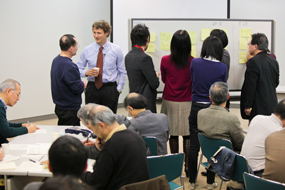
30, 31
261, 9
123, 10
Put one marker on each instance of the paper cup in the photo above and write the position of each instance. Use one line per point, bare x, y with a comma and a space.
5, 148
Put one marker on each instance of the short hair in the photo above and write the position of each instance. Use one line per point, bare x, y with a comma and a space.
180, 48
66, 41
139, 35
260, 40
101, 114
212, 48
84, 111
136, 101
8, 83
64, 183
280, 109
104, 25
219, 92
67, 156
221, 35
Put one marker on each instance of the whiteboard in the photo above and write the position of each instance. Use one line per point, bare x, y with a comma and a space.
233, 27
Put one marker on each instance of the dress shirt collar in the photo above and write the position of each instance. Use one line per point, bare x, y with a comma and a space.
105, 46
211, 59
4, 104
120, 128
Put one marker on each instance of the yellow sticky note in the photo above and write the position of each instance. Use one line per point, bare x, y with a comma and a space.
165, 46
193, 36
165, 36
205, 32
151, 48
242, 57
242, 43
193, 51
245, 32
152, 37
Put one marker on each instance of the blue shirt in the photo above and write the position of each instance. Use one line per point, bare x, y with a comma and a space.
113, 63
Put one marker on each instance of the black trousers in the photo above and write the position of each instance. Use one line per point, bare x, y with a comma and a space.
67, 117
107, 95
195, 144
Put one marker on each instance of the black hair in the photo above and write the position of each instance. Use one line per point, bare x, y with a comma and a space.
139, 35
137, 101
221, 35
212, 48
68, 156
66, 41
260, 40
180, 49
280, 109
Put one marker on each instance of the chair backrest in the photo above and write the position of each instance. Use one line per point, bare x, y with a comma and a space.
159, 183
210, 146
240, 166
152, 144
170, 165
253, 182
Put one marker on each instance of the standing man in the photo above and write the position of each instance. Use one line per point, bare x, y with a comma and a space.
66, 85
10, 91
141, 74
122, 158
258, 93
105, 66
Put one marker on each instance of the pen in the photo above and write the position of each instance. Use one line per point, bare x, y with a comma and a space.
32, 160
28, 122
87, 139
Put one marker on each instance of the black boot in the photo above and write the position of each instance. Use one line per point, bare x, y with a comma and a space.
174, 144
186, 147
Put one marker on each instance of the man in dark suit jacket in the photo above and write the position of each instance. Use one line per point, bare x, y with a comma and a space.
140, 69
258, 94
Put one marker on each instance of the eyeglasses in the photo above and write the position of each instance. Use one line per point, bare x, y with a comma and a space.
18, 93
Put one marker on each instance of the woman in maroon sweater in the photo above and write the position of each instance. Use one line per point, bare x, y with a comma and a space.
176, 104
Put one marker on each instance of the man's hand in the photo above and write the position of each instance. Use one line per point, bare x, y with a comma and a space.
92, 72
85, 83
31, 127
89, 143
247, 111
157, 74
99, 143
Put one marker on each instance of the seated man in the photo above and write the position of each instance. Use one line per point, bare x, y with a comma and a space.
146, 122
218, 123
10, 91
122, 157
260, 127
275, 150
67, 156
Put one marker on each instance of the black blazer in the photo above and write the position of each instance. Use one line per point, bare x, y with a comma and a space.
142, 76
259, 87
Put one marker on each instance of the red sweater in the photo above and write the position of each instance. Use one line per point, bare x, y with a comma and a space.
178, 83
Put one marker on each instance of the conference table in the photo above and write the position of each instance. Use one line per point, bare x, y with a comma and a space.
27, 151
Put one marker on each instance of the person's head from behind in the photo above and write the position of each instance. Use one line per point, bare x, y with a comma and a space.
180, 48
221, 35
101, 120
212, 48
67, 156
64, 183
280, 111
258, 42
69, 44
219, 93
84, 111
10, 91
133, 102
101, 31
140, 35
